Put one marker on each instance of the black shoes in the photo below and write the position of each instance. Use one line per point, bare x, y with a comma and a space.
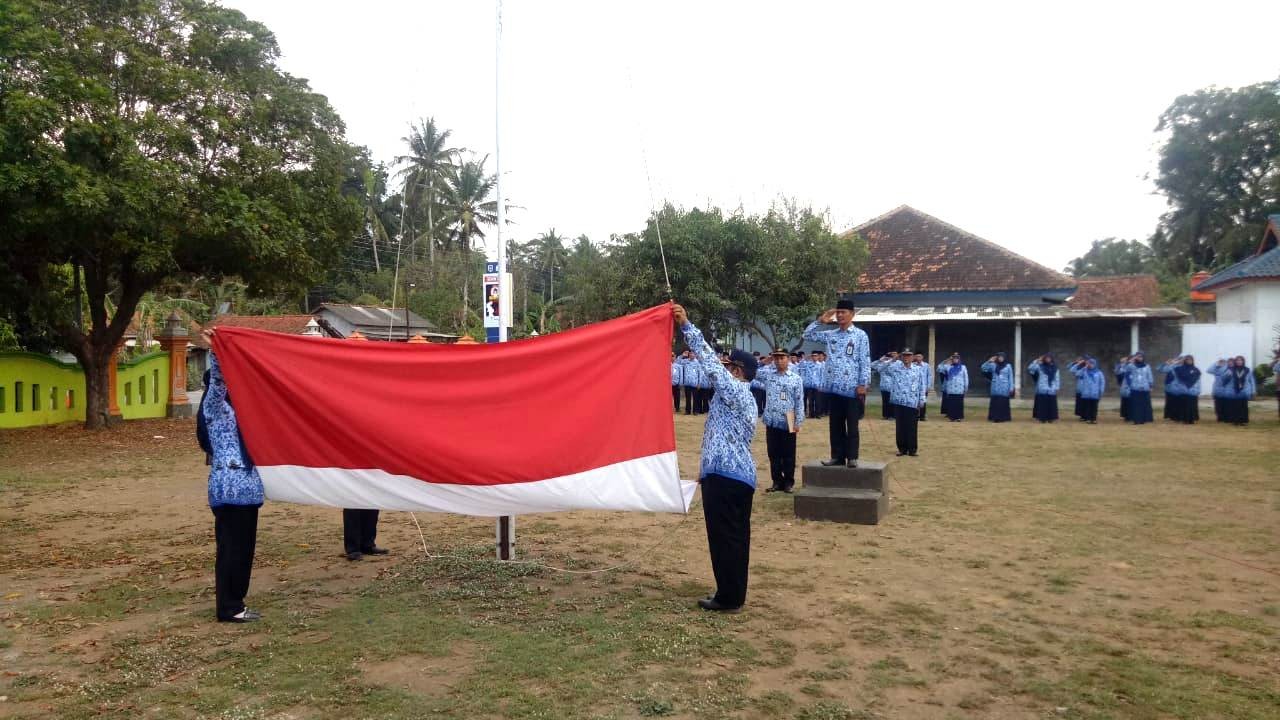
353, 556
247, 616
832, 463
375, 550
913, 453
710, 603
772, 489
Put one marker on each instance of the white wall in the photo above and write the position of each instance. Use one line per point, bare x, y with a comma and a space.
1210, 341
1264, 299
1235, 305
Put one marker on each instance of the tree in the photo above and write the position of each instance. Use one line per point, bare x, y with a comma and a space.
428, 168
1111, 257
150, 138
1220, 172
549, 250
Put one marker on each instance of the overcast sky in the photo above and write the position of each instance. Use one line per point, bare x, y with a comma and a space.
1029, 126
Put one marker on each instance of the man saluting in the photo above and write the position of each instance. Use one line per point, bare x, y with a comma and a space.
848, 372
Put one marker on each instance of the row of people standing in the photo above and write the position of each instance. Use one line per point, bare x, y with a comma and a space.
691, 382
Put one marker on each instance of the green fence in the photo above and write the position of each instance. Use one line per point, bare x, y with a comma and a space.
38, 390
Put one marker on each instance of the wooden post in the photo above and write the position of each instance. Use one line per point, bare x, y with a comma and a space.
933, 345
173, 339
506, 537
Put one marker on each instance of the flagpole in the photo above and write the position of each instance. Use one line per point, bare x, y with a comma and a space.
506, 527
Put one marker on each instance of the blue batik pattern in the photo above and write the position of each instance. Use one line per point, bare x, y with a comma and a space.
731, 422
1001, 379
886, 380
1123, 378
1224, 386
783, 392
908, 383
1090, 383
1140, 378
1043, 385
928, 375
230, 481
957, 384
848, 358
677, 373
1174, 386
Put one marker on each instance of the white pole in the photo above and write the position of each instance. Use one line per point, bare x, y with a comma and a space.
1134, 346
506, 525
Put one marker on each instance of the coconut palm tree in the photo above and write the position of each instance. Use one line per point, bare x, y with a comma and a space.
549, 250
470, 211
426, 172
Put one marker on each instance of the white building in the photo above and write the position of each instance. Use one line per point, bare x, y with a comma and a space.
1248, 293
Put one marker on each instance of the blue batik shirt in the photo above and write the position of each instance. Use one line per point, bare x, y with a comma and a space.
848, 358
232, 481
759, 382
1043, 384
886, 380
1001, 380
1090, 384
1174, 386
957, 384
1140, 378
1123, 379
677, 373
783, 392
1224, 386
928, 375
731, 422
908, 383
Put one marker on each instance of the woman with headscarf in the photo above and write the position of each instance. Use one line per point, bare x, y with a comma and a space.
1238, 388
1182, 389
954, 378
998, 370
1138, 374
1122, 380
1090, 384
235, 494
1045, 370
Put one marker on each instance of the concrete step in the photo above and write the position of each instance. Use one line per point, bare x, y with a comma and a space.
846, 505
869, 475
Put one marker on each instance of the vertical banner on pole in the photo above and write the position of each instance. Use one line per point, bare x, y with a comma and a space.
495, 305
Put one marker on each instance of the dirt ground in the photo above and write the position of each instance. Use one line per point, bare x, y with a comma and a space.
1025, 571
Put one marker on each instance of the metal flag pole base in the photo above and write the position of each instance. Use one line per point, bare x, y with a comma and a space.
506, 537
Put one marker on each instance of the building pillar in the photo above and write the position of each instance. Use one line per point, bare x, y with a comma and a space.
1017, 357
1134, 345
933, 344
173, 340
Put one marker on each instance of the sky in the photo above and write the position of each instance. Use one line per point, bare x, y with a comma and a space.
1029, 125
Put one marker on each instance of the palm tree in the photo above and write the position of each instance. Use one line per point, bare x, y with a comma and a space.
428, 168
470, 211
372, 191
550, 253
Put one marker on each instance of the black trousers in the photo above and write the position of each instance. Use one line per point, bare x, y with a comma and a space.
908, 419
822, 403
1088, 410
998, 409
704, 400
845, 414
808, 403
923, 408
235, 529
781, 445
675, 397
758, 394
886, 407
689, 393
359, 530
726, 506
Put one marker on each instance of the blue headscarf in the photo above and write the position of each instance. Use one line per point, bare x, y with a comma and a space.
954, 369
202, 429
1094, 372
1050, 369
1188, 375
1137, 362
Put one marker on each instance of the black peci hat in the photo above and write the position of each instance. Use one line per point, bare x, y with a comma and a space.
844, 303
746, 361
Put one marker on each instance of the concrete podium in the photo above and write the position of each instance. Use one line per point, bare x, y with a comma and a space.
842, 494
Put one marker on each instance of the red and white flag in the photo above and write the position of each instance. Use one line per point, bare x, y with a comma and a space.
578, 420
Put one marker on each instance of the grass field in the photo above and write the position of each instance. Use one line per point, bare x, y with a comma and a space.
1026, 571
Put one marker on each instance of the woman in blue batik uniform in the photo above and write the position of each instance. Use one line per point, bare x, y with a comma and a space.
1182, 390
1048, 383
1000, 373
728, 471
1238, 388
1122, 382
1090, 384
1138, 374
954, 378
235, 494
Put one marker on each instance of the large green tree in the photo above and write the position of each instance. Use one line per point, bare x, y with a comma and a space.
148, 138
427, 172
1112, 257
1220, 171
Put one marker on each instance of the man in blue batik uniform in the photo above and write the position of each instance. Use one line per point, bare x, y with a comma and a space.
784, 394
848, 370
728, 471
